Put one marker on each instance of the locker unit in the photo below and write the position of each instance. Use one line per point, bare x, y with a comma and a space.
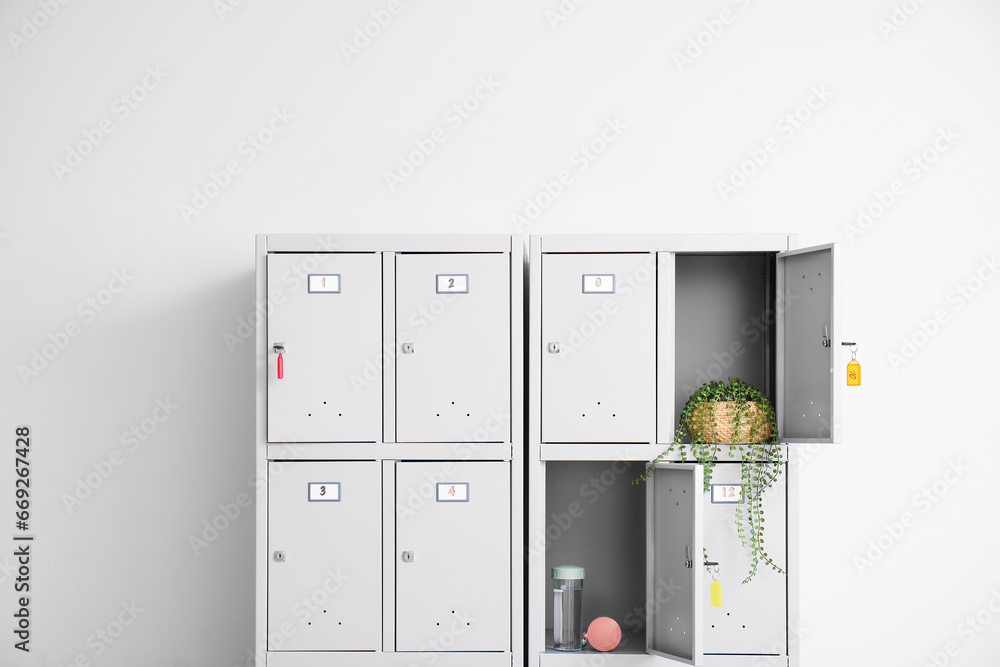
389, 441
668, 314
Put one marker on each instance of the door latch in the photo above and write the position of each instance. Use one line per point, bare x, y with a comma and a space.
826, 336
688, 563
407, 348
279, 348
553, 348
407, 556
279, 556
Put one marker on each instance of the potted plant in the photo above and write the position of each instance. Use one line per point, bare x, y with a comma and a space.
740, 415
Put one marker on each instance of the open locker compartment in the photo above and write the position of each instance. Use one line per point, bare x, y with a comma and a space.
767, 318
596, 519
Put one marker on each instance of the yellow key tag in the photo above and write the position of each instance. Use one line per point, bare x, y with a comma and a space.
716, 593
854, 373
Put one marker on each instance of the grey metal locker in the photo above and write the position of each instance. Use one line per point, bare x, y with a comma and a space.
453, 347
806, 344
752, 619
454, 556
675, 628
324, 574
598, 356
329, 322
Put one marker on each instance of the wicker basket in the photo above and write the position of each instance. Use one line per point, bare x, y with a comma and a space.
711, 422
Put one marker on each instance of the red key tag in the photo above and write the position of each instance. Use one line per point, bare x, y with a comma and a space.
281, 367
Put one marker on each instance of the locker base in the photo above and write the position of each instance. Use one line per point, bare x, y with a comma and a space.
378, 659
613, 659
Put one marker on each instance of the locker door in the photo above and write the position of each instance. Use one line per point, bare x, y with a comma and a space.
453, 347
674, 566
752, 617
598, 347
806, 343
453, 566
324, 553
331, 326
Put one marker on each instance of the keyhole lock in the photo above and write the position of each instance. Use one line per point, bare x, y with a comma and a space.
407, 348
278, 347
553, 348
407, 556
826, 337
279, 556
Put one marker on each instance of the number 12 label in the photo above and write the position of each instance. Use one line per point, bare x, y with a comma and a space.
324, 492
451, 283
727, 493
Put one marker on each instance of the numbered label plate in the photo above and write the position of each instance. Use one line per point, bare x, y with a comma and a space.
603, 283
453, 283
324, 283
453, 492
731, 494
324, 492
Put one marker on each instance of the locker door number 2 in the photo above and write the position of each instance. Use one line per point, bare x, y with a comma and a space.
452, 283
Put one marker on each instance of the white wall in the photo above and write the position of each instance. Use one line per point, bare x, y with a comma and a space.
63, 235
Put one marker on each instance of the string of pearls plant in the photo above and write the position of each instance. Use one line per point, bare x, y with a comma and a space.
740, 415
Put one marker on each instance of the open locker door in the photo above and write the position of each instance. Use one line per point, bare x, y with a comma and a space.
674, 555
807, 309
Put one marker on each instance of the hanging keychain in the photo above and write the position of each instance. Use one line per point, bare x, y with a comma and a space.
853, 367
716, 588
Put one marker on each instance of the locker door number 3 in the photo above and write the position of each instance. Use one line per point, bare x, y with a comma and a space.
324, 492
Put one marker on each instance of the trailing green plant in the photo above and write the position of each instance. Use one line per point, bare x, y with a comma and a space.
751, 416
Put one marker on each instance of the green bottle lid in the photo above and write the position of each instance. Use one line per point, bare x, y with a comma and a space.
567, 572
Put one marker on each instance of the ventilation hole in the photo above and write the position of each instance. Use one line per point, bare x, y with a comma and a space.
713, 626
340, 414
453, 402
339, 623
437, 624
744, 627
439, 414
453, 611
310, 623
324, 402
613, 414
728, 614
311, 414
466, 414
584, 414
598, 402
324, 611
468, 623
